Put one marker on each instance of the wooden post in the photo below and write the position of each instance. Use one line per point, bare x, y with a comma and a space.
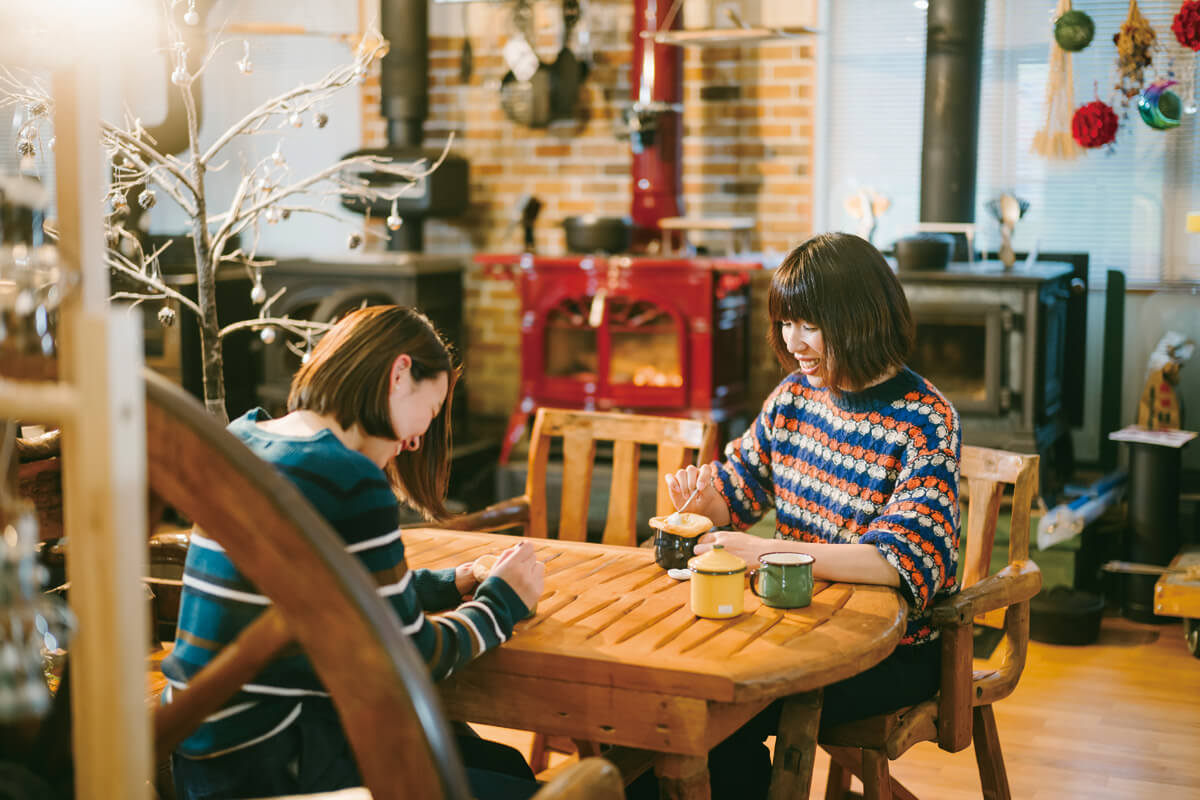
104, 475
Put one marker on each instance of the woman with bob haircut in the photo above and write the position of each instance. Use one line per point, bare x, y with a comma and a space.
858, 456
367, 423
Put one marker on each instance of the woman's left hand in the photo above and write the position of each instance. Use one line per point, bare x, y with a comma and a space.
464, 578
743, 545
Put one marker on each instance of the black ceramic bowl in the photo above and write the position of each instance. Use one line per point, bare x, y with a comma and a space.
591, 234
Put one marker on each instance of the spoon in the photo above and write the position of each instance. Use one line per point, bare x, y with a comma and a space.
676, 515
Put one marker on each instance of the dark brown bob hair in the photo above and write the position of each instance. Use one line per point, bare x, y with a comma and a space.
841, 284
348, 375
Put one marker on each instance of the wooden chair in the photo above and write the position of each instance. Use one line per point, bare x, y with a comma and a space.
962, 710
323, 601
680, 442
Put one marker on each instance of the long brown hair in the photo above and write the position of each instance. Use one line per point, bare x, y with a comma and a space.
347, 377
841, 284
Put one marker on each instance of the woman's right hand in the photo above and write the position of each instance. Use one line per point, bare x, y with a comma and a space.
708, 500
520, 569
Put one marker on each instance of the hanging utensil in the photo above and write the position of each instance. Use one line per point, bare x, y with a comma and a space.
568, 71
525, 90
466, 58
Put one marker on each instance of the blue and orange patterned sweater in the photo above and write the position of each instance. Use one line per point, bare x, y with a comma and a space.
876, 467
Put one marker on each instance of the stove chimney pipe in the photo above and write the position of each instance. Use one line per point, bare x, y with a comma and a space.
953, 65
404, 90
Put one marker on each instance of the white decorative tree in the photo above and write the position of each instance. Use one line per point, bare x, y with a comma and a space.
267, 193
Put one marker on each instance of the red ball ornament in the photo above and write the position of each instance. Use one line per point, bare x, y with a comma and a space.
1094, 124
1186, 26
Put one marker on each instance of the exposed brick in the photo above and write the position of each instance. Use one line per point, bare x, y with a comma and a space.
747, 150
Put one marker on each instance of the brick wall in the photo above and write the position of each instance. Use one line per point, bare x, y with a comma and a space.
748, 139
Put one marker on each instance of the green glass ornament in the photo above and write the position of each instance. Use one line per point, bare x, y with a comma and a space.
1074, 31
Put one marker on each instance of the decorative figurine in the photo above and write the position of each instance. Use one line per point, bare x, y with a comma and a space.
1161, 407
1007, 209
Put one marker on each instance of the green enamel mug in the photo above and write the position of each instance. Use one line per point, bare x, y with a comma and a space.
783, 580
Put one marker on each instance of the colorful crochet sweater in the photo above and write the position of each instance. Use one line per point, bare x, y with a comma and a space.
354, 496
876, 467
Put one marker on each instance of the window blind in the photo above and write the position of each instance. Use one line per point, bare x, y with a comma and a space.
1124, 205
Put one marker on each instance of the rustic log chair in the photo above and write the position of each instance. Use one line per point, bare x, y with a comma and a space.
962, 710
680, 442
324, 600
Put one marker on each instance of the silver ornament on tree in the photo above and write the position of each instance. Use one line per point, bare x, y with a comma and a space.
191, 17
166, 316
354, 240
277, 156
393, 221
295, 120
267, 335
258, 293
147, 199
320, 119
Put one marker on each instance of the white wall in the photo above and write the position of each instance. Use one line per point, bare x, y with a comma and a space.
280, 63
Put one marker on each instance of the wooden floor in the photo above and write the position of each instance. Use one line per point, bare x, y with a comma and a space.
1117, 719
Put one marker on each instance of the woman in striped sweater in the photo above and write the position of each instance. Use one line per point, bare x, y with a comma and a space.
858, 457
367, 421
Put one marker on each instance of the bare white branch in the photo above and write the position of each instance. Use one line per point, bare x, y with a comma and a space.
299, 327
304, 96
126, 267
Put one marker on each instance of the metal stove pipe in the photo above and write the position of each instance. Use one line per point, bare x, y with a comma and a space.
657, 94
953, 66
404, 93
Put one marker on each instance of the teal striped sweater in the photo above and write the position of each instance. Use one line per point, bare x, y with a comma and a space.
353, 494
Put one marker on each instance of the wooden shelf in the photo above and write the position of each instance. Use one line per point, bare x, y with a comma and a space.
713, 37
706, 223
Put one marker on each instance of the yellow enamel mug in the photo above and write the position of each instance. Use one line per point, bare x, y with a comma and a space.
718, 584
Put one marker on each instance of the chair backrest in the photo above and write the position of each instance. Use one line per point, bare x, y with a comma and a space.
987, 474
679, 441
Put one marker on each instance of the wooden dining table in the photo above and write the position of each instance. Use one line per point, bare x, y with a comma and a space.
614, 655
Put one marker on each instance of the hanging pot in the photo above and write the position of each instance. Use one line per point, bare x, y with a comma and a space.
526, 100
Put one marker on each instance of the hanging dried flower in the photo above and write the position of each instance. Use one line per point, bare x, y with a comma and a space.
1186, 26
1094, 124
1135, 43
1053, 139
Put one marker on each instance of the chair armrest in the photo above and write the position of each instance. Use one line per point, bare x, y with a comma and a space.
589, 779
505, 514
1016, 583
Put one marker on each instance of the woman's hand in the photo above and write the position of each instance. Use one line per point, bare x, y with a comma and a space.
464, 578
520, 569
743, 545
708, 500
